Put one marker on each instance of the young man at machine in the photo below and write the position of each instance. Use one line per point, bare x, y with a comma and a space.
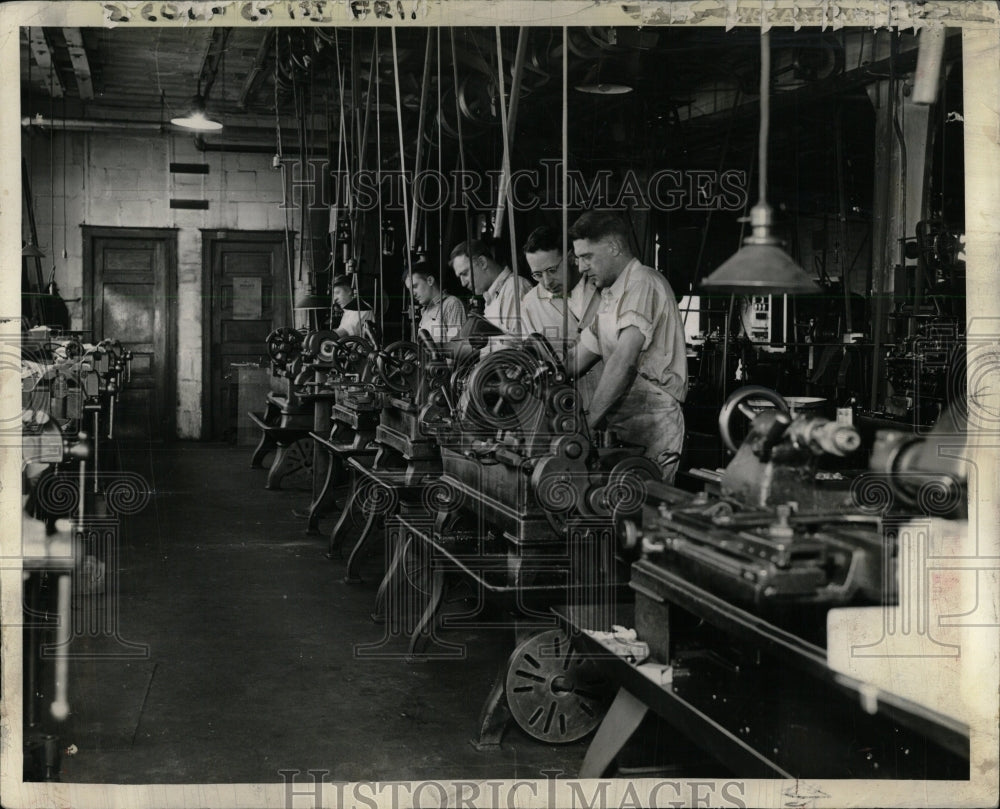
355, 313
544, 305
442, 315
479, 272
639, 334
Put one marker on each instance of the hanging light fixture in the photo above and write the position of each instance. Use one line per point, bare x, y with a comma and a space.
311, 300
196, 117
606, 77
761, 266
31, 250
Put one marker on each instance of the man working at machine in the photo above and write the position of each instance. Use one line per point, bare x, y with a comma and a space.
639, 334
442, 315
355, 313
479, 272
543, 307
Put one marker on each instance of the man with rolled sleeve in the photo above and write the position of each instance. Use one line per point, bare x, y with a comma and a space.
639, 334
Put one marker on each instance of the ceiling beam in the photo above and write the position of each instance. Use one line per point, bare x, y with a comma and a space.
81, 64
213, 58
258, 70
42, 54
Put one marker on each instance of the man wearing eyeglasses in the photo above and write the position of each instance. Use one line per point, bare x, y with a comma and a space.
543, 306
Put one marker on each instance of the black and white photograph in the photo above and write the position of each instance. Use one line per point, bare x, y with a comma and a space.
428, 403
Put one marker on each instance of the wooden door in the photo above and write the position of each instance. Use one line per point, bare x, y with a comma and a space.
130, 276
246, 274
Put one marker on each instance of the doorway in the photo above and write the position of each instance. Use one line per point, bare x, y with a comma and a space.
130, 282
246, 298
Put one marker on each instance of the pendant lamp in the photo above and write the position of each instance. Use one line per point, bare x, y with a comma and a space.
31, 250
196, 118
761, 266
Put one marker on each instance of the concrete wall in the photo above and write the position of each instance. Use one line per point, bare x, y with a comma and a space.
123, 180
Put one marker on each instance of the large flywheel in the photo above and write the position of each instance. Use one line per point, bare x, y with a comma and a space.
554, 693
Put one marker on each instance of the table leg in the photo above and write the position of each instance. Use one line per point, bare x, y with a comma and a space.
322, 502
333, 550
276, 472
390, 578
425, 625
621, 722
360, 548
495, 714
262, 450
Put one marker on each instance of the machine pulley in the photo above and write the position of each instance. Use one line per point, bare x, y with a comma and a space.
554, 694
282, 343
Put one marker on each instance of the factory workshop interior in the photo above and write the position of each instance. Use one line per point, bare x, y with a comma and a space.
407, 402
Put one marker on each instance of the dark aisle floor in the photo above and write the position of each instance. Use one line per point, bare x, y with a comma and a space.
236, 652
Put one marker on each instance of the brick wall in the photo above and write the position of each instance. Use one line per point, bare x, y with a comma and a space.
123, 180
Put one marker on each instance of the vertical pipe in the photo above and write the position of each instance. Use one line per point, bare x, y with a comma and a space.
838, 134
60, 704
97, 445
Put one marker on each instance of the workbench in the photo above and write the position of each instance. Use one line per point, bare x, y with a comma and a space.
756, 697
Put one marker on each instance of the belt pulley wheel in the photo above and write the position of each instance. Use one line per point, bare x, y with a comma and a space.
554, 693
282, 343
500, 389
398, 367
326, 343
350, 354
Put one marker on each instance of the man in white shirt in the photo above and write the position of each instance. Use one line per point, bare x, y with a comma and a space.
355, 313
544, 307
479, 272
442, 315
639, 334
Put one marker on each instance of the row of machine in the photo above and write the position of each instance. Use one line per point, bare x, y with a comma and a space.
71, 490
707, 605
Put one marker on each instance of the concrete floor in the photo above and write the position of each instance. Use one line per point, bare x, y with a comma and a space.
236, 652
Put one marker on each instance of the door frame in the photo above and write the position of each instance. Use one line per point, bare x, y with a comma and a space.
209, 238
91, 233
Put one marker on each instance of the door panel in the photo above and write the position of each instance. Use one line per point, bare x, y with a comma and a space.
237, 263
132, 283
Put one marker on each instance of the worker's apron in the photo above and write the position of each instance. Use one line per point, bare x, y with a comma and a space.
647, 415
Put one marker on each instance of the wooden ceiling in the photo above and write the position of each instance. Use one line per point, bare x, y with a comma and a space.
689, 84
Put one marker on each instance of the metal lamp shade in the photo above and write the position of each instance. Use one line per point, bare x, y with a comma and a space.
312, 301
196, 118
760, 269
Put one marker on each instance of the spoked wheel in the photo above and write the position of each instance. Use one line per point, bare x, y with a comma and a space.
398, 367
283, 343
554, 694
350, 354
740, 400
500, 388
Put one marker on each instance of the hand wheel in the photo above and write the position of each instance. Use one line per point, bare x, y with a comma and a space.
398, 367
738, 400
